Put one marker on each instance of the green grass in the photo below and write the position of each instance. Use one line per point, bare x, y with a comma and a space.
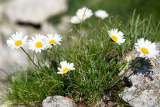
90, 80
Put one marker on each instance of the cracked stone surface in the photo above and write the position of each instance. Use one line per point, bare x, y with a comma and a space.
144, 78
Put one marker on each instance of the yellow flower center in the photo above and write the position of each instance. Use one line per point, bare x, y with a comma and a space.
114, 38
144, 50
38, 44
52, 41
18, 42
100, 16
76, 21
84, 15
65, 70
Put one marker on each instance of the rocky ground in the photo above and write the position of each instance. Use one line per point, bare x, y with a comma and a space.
143, 81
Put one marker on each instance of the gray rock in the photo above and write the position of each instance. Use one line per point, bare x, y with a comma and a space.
48, 28
0, 13
34, 11
145, 79
58, 101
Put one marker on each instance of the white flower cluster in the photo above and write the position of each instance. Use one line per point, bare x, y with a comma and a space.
145, 48
85, 13
39, 43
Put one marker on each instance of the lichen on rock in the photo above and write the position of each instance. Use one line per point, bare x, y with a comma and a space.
145, 79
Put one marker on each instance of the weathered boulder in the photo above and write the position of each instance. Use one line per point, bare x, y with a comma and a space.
58, 101
9, 59
144, 78
34, 11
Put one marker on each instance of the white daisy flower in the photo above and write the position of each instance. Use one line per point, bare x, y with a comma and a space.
75, 20
116, 36
52, 40
37, 44
16, 40
101, 14
65, 67
84, 13
146, 48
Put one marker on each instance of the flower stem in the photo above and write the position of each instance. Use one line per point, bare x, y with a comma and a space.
30, 58
55, 56
82, 20
71, 82
104, 55
80, 26
49, 59
99, 20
